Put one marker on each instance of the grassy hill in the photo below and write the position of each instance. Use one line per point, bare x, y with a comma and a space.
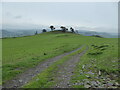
22, 53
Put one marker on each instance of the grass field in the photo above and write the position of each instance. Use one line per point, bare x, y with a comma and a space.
22, 53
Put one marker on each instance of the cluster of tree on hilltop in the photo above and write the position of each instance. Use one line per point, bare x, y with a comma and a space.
63, 29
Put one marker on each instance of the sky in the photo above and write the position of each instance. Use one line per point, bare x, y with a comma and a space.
94, 16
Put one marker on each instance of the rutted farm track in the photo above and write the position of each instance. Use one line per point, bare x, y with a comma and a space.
66, 71
68, 66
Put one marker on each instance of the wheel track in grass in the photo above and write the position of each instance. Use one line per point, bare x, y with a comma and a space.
26, 76
66, 71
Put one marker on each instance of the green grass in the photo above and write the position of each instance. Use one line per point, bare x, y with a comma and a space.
47, 77
22, 53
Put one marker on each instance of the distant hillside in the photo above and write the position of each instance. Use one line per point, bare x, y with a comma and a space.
17, 33
103, 34
20, 33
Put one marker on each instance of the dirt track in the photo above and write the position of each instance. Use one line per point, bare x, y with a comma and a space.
25, 77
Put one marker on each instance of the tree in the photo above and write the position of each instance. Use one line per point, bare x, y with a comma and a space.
44, 30
72, 30
77, 31
64, 29
36, 33
52, 28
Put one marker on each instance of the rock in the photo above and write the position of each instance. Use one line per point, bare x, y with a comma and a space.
37, 79
20, 81
81, 73
94, 83
113, 61
25, 82
36, 70
87, 86
104, 82
30, 74
14, 80
85, 80
87, 76
116, 83
113, 65
0, 87
15, 86
114, 87
88, 82
56, 85
96, 77
68, 84
98, 82
83, 66
99, 73
108, 79
78, 81
65, 76
104, 79
80, 70
75, 84
115, 76
90, 73
80, 84
109, 84
102, 86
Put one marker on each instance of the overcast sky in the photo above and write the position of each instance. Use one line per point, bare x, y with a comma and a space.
98, 16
